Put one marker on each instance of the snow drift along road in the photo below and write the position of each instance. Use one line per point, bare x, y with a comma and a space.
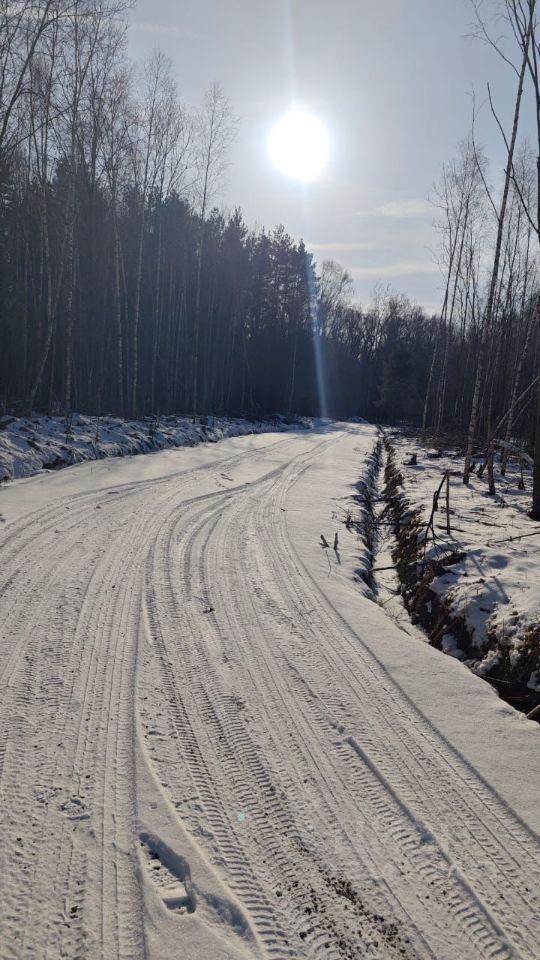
214, 745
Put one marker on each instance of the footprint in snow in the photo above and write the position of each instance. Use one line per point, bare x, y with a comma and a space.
169, 872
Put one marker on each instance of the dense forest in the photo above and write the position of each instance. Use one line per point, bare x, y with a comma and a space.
125, 289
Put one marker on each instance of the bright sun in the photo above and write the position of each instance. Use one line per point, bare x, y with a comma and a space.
299, 145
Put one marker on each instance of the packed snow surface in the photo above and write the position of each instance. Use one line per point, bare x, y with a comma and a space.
214, 745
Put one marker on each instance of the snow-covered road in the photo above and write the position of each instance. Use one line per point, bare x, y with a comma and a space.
214, 745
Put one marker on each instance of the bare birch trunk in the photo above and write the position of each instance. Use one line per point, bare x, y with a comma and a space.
118, 314
36, 382
136, 317
535, 511
157, 321
70, 306
486, 325
513, 397
197, 323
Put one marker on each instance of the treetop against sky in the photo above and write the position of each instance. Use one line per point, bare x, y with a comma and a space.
393, 84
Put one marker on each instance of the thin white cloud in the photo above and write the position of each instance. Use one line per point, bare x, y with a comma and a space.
412, 208
431, 307
404, 268
342, 247
145, 26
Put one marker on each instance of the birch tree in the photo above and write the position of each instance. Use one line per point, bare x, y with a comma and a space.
500, 216
215, 132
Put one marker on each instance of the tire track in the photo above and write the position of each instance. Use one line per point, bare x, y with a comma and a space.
286, 749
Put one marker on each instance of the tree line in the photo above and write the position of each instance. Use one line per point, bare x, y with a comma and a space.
472, 372
490, 246
124, 289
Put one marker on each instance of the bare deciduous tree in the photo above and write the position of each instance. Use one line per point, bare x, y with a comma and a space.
501, 215
215, 132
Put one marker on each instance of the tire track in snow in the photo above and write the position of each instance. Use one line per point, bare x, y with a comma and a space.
277, 840
271, 717
54, 914
68, 649
481, 925
452, 789
164, 624
323, 639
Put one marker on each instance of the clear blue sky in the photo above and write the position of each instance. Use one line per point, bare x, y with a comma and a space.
392, 79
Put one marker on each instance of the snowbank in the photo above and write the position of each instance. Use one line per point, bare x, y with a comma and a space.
31, 444
491, 597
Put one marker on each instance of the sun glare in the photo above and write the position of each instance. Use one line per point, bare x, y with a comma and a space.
299, 145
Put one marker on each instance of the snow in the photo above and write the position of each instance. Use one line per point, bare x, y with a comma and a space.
450, 646
495, 588
217, 745
30, 444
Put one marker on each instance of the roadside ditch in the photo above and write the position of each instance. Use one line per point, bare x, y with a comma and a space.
400, 567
